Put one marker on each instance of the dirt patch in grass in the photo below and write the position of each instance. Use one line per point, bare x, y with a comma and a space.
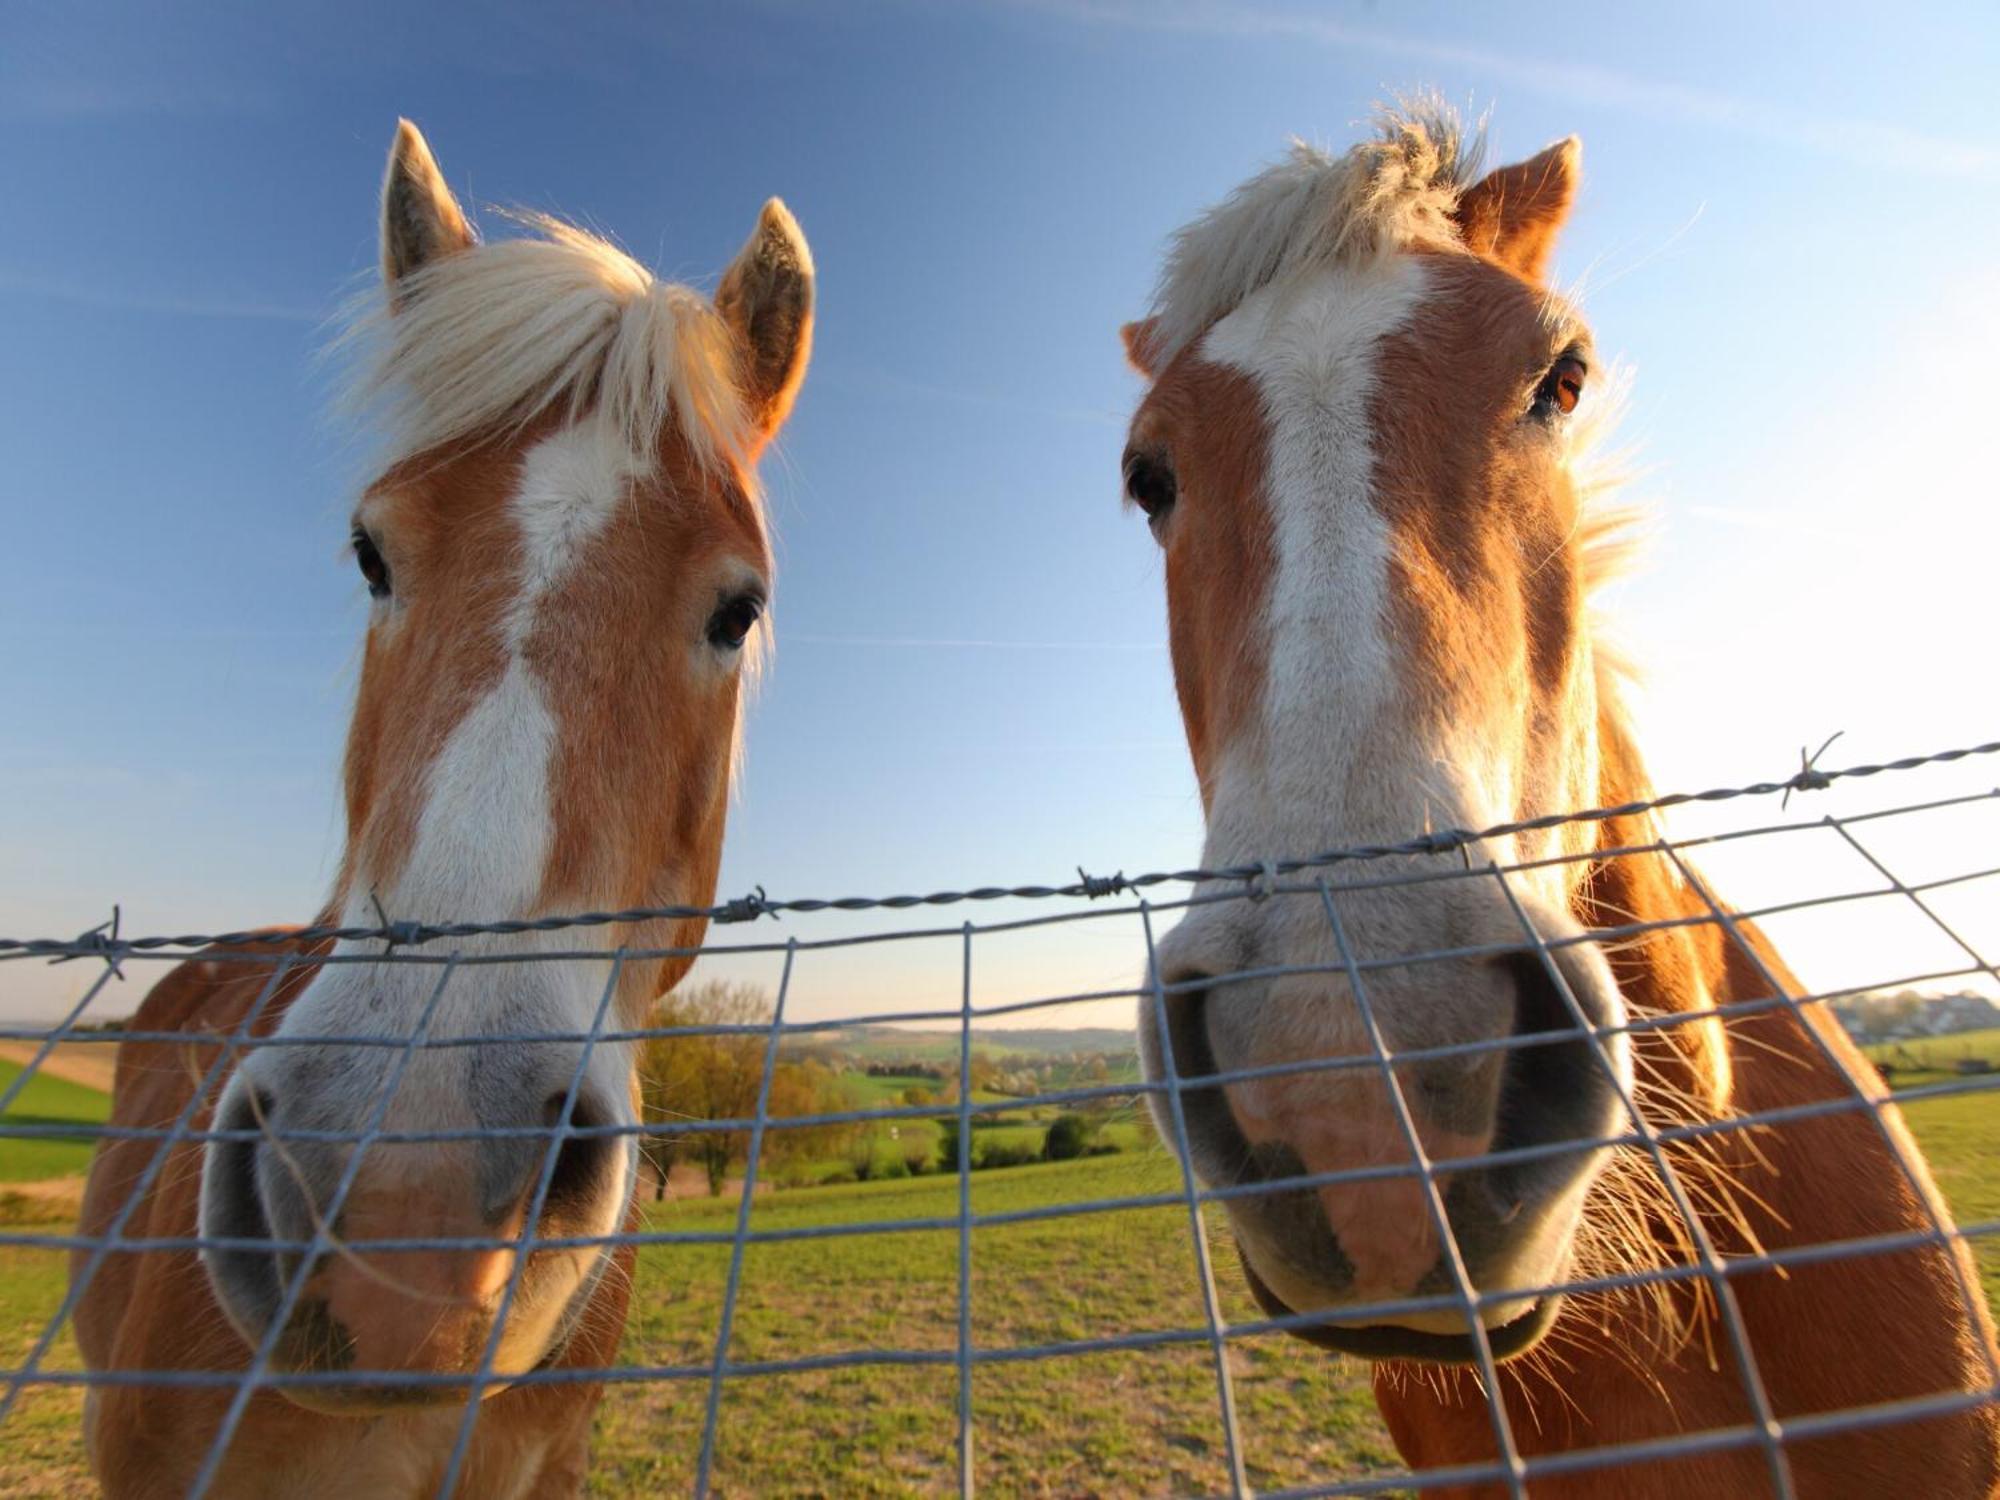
51, 1201
88, 1063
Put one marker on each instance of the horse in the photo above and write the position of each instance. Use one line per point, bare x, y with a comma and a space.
1365, 450
569, 570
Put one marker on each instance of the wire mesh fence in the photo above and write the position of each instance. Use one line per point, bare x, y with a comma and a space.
1080, 1327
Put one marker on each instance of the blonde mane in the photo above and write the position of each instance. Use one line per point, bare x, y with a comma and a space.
478, 344
1314, 209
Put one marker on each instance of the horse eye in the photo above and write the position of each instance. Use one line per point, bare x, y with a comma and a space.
1149, 484
731, 624
368, 557
1562, 387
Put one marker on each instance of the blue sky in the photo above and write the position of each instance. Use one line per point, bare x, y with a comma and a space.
1788, 228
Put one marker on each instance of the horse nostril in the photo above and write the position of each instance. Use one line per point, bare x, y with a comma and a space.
1213, 1136
584, 1163
1552, 1089
1186, 999
244, 1111
236, 1223
1539, 1006
231, 1166
1539, 1076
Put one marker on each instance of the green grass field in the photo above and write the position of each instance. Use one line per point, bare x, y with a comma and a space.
1108, 1422
895, 1143
887, 1089
47, 1100
1105, 1423
1939, 1053
940, 1045
1960, 1134
1124, 1422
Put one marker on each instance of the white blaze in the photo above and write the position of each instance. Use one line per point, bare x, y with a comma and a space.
1339, 753
483, 838
1331, 675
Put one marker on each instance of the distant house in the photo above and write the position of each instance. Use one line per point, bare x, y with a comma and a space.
1967, 1012
1907, 1014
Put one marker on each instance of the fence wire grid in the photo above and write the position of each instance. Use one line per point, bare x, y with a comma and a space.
960, 1337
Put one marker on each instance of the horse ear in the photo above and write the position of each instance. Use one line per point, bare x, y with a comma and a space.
1513, 214
421, 221
766, 298
1142, 349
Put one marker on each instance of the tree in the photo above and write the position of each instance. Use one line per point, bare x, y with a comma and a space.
861, 1153
692, 1080
703, 1077
810, 1088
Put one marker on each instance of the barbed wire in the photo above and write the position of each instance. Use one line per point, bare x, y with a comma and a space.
967, 1347
103, 941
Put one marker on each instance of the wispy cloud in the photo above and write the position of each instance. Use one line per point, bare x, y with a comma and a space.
1863, 142
125, 299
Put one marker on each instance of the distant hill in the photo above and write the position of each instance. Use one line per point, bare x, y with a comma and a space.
866, 1044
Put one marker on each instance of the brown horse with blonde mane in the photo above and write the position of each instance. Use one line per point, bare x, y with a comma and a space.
1361, 453
569, 567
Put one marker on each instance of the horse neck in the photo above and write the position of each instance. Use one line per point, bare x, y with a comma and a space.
1760, 1052
1637, 1364
1763, 1053
1850, 1172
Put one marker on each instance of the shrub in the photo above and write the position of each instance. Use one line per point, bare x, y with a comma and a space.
1068, 1138
893, 1168
1007, 1154
917, 1160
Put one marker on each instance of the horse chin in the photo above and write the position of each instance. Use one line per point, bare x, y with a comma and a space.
334, 1400
304, 1353
1385, 1341
382, 1400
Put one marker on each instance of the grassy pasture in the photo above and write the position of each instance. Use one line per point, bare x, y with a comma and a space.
893, 1044
1127, 1421
1960, 1134
894, 1142
1106, 1423
884, 1089
1939, 1054
48, 1100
